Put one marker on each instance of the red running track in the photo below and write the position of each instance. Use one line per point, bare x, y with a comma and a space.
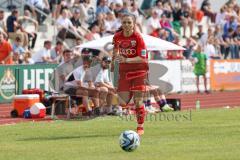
188, 101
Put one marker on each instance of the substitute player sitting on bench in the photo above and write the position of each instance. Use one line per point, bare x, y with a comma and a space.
82, 85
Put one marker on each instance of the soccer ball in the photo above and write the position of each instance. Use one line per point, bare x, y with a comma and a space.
129, 140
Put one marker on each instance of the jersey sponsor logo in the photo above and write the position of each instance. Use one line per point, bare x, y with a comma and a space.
128, 52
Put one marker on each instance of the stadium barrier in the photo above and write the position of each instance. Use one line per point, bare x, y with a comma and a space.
15, 78
225, 74
222, 75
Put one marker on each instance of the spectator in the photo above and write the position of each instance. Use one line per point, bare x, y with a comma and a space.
104, 84
221, 17
186, 19
159, 8
205, 37
167, 9
102, 7
56, 52
39, 8
94, 34
101, 23
138, 15
177, 16
210, 50
110, 24
237, 38
189, 46
43, 55
14, 29
207, 10
76, 23
232, 46
3, 27
25, 21
153, 23
200, 32
17, 48
64, 25
231, 23
219, 42
27, 58
5, 51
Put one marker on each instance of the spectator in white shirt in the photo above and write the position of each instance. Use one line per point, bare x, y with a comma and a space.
104, 84
153, 22
65, 25
43, 55
210, 49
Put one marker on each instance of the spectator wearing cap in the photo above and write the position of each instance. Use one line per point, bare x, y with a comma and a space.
5, 51
76, 23
43, 55
81, 85
104, 84
103, 7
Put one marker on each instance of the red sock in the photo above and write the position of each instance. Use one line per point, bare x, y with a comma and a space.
140, 113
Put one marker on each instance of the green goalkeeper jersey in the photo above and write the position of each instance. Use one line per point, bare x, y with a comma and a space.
200, 66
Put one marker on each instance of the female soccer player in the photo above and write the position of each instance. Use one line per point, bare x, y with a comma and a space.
130, 51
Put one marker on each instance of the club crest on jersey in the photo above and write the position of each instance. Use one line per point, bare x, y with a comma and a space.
133, 43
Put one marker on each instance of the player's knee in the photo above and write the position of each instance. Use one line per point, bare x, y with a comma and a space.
138, 101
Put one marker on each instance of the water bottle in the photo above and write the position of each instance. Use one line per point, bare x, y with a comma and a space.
197, 105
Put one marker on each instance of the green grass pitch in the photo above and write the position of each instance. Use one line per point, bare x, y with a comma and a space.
212, 134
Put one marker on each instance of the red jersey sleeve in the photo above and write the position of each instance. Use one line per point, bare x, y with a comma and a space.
141, 47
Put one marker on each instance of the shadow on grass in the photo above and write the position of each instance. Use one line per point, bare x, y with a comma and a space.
65, 137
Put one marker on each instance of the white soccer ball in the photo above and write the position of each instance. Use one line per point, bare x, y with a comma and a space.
129, 140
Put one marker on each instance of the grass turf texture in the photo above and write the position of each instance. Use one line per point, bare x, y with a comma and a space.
209, 134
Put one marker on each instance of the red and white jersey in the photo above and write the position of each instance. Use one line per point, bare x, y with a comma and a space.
130, 47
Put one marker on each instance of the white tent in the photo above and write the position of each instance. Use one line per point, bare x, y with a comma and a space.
152, 43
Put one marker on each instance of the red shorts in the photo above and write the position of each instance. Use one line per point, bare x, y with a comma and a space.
132, 76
